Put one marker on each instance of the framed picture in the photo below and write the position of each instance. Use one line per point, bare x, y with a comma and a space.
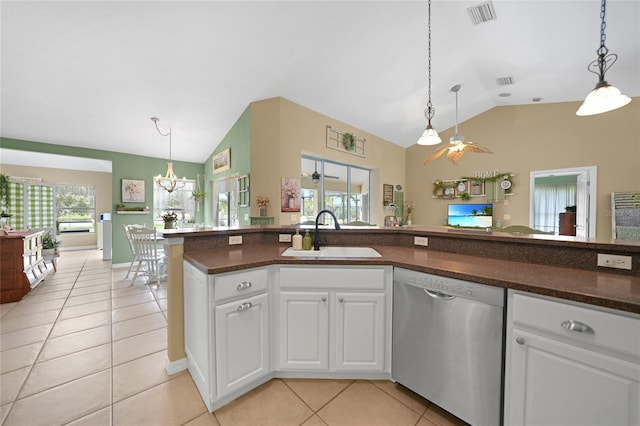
132, 191
222, 161
387, 194
290, 195
476, 187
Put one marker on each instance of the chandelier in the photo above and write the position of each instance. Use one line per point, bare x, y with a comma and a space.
430, 135
604, 97
169, 182
457, 146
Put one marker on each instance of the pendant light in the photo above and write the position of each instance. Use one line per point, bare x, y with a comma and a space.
170, 181
315, 176
429, 136
457, 146
604, 97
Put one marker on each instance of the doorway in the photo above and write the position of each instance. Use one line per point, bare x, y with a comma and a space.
583, 199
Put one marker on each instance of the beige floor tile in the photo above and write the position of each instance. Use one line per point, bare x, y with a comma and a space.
362, 403
441, 417
91, 280
6, 307
4, 410
314, 421
81, 291
23, 308
64, 403
14, 339
52, 373
206, 419
273, 403
86, 309
99, 418
19, 323
404, 395
163, 304
316, 393
88, 298
140, 345
128, 290
37, 296
426, 422
73, 342
134, 311
84, 322
133, 299
140, 374
11, 384
171, 403
128, 328
23, 356
160, 293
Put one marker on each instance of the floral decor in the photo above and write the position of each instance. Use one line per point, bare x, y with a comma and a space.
290, 194
263, 201
169, 217
409, 206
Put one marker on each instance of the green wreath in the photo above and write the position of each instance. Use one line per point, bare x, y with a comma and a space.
349, 141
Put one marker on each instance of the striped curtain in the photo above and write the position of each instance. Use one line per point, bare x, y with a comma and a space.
16, 209
40, 201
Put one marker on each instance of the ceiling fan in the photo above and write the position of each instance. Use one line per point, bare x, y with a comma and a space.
457, 146
315, 176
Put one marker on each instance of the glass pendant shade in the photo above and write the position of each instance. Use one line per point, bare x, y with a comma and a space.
603, 98
429, 137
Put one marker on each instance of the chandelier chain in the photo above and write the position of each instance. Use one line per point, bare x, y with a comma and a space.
602, 50
430, 111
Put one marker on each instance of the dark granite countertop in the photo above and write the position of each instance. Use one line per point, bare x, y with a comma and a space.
596, 288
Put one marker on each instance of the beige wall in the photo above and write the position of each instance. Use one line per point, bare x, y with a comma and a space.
101, 180
282, 131
534, 137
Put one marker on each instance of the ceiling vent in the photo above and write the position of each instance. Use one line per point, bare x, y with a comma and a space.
504, 81
482, 12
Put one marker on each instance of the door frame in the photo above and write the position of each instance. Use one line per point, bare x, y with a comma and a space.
589, 221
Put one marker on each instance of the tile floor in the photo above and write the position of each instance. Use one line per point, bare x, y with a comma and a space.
88, 348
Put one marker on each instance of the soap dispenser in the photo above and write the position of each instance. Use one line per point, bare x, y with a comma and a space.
297, 241
307, 242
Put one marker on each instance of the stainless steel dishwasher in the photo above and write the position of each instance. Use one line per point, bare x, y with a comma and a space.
448, 343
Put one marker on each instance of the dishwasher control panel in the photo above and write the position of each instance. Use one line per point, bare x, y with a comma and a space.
443, 284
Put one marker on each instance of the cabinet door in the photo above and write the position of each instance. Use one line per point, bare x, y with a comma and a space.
242, 342
359, 336
554, 383
304, 330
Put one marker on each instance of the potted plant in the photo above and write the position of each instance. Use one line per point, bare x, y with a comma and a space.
50, 246
169, 219
198, 195
263, 203
5, 201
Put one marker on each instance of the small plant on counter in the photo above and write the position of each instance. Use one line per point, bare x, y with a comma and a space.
169, 217
48, 242
5, 200
263, 201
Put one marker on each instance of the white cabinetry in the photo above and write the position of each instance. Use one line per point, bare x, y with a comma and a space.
334, 319
226, 332
570, 363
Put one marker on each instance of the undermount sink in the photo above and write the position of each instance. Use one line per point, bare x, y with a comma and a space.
333, 252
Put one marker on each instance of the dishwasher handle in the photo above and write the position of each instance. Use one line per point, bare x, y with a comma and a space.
438, 294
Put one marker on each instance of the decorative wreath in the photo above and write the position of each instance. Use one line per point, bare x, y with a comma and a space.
349, 141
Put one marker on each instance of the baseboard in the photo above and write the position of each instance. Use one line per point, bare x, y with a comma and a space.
174, 367
120, 265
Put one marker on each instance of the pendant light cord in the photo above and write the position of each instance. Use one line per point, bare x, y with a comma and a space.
430, 111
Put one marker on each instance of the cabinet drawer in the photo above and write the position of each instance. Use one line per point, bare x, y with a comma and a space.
608, 330
239, 284
348, 277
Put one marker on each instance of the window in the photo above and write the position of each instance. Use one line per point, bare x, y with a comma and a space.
75, 208
341, 188
225, 199
179, 201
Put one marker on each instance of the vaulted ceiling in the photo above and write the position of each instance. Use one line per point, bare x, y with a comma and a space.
91, 74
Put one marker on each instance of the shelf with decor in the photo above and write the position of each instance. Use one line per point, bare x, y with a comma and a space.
493, 188
132, 212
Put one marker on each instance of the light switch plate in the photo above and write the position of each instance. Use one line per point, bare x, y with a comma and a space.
236, 239
284, 238
421, 241
614, 261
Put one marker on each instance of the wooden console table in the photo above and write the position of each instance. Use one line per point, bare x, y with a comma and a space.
22, 266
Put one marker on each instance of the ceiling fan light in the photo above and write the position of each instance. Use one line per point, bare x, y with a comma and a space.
429, 137
603, 98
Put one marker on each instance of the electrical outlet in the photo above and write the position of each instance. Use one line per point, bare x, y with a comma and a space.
421, 241
614, 261
506, 217
236, 239
284, 238
246, 216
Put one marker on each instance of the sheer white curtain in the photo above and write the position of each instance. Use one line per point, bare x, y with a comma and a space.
549, 201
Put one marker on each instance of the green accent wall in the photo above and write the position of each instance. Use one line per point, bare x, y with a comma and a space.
124, 166
238, 140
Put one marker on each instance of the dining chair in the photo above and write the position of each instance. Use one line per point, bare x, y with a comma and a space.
127, 228
149, 257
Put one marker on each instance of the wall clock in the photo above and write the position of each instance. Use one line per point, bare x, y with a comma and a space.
505, 184
462, 187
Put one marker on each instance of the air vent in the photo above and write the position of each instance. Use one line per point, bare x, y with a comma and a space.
482, 12
504, 81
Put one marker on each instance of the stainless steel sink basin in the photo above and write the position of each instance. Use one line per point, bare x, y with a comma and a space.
333, 252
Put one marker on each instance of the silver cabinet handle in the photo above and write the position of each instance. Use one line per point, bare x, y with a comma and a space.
341, 299
324, 299
244, 285
520, 340
578, 327
438, 295
244, 306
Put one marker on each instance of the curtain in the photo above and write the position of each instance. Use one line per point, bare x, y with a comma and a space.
16, 210
40, 202
551, 200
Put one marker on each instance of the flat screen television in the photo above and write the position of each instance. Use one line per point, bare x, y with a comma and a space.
470, 215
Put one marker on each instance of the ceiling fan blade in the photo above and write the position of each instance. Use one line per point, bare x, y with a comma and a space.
435, 155
454, 156
472, 147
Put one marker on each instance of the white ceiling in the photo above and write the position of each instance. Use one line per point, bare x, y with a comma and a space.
91, 74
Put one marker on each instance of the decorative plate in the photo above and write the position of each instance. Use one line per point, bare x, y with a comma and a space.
505, 184
462, 187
